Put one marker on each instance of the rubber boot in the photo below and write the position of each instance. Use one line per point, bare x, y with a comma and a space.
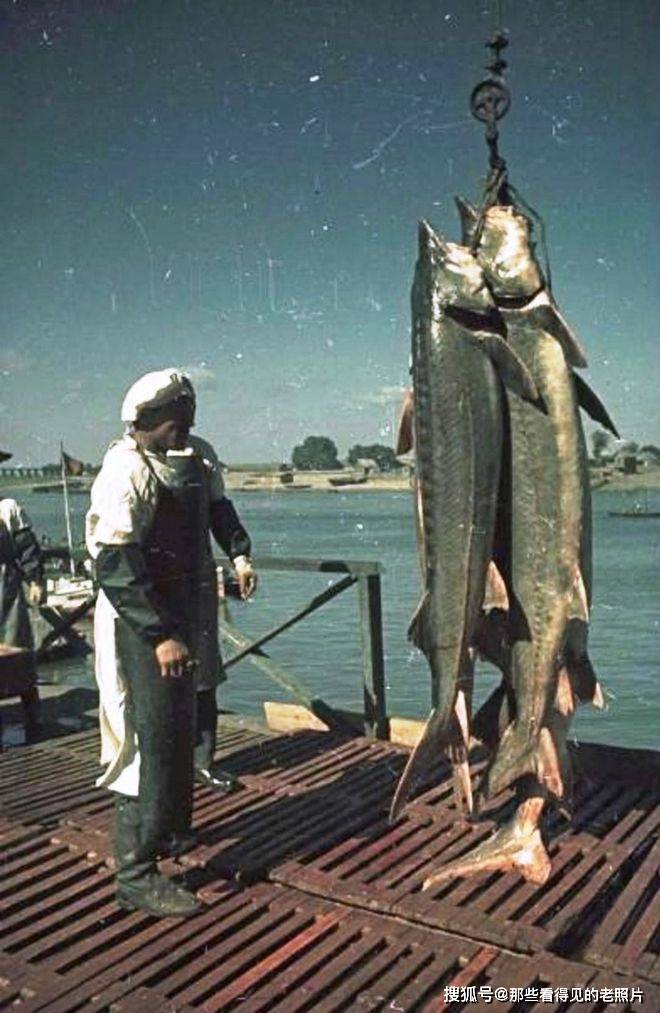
32, 715
139, 884
178, 843
206, 725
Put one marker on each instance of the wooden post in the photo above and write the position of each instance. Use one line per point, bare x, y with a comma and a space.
373, 667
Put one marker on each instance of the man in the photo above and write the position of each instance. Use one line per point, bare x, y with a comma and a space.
156, 498
20, 562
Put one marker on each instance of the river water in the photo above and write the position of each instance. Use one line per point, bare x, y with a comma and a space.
323, 651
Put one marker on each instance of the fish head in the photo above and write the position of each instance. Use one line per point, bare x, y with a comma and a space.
457, 279
506, 253
469, 217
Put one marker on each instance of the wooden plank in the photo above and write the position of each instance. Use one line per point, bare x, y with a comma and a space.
303, 941
292, 717
466, 976
406, 732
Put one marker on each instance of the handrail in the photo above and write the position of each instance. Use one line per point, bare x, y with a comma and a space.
316, 603
366, 574
360, 568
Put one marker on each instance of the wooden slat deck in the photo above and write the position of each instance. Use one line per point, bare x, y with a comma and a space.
313, 901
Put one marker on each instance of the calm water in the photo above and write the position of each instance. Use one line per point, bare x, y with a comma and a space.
324, 650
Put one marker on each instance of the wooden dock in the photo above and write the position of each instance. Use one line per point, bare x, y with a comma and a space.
314, 902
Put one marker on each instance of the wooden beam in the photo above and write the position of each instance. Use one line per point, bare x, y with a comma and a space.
373, 663
290, 717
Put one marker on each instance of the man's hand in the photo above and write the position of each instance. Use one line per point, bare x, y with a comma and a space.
246, 577
172, 655
36, 593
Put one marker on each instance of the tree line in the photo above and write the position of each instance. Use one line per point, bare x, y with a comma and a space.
601, 447
319, 453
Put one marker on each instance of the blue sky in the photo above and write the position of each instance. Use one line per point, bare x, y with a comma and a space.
234, 188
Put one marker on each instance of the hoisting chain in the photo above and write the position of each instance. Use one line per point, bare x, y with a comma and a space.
489, 102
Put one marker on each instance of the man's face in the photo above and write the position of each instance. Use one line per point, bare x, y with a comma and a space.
170, 435
169, 427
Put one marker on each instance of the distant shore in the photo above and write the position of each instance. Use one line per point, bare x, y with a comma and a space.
319, 481
240, 480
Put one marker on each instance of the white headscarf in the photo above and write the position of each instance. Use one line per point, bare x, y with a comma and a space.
154, 390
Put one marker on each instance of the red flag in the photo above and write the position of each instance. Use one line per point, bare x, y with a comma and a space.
72, 466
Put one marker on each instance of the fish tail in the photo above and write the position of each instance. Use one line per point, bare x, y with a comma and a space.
517, 845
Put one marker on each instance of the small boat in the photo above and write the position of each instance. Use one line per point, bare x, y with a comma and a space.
640, 514
640, 511
354, 480
73, 487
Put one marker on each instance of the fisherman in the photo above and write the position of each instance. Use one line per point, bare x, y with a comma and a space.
157, 496
20, 562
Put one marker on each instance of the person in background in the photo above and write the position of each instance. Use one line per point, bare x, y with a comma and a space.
158, 495
20, 563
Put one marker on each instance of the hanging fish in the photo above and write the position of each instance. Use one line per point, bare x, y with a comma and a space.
548, 504
459, 360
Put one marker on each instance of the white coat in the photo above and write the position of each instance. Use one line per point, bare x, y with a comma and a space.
123, 503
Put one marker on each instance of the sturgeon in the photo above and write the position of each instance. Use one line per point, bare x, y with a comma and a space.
518, 283
548, 476
543, 548
459, 359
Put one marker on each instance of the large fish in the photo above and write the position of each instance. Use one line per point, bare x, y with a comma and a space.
548, 478
518, 284
543, 549
459, 359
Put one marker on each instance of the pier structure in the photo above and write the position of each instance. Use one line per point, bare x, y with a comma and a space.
313, 901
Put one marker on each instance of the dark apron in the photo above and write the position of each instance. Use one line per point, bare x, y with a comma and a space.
178, 557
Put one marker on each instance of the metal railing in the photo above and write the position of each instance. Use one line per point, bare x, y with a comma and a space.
367, 577
365, 574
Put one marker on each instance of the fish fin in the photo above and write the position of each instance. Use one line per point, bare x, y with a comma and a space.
598, 699
564, 697
421, 757
405, 439
462, 782
495, 593
419, 632
544, 312
592, 404
537, 756
469, 217
459, 754
439, 733
463, 721
518, 845
584, 681
579, 602
551, 765
511, 369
